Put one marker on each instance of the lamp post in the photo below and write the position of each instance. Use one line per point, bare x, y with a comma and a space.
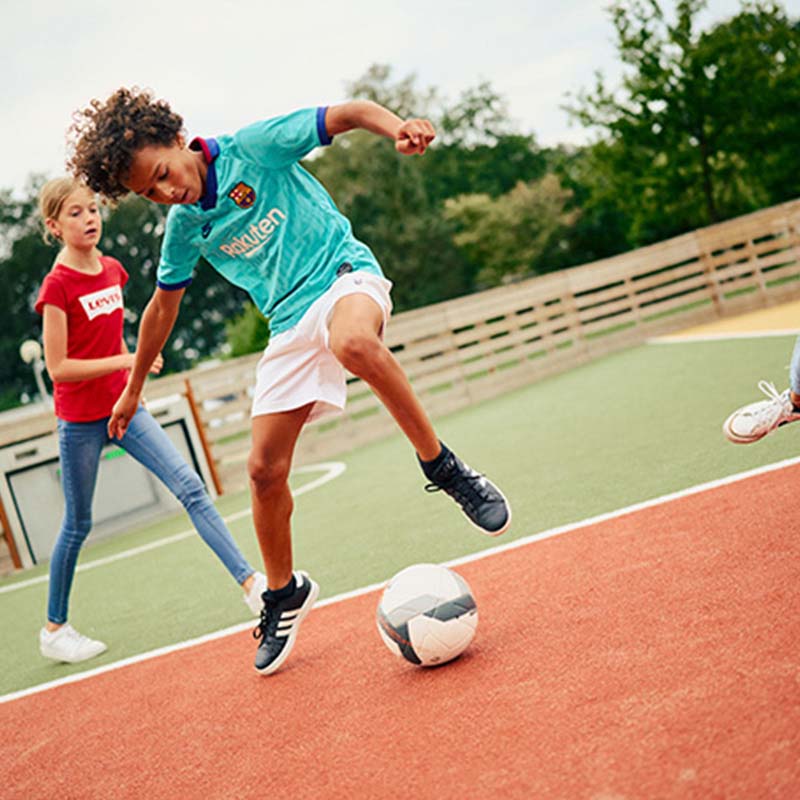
30, 352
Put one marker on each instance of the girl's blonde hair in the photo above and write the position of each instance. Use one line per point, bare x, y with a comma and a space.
52, 197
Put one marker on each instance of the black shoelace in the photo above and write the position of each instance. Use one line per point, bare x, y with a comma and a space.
268, 624
464, 488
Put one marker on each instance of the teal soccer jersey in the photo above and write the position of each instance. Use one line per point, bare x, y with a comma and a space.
264, 222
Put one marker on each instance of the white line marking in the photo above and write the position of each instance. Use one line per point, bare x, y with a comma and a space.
332, 469
548, 534
172, 648
719, 337
621, 512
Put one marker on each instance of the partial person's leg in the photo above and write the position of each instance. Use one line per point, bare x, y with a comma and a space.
355, 340
80, 445
149, 444
754, 421
794, 374
268, 466
290, 595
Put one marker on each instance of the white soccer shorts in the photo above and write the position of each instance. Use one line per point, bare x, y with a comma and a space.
298, 366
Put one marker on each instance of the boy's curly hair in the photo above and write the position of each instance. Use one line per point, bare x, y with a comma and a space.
104, 137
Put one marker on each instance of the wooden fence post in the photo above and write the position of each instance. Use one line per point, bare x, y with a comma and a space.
12, 546
711, 278
201, 432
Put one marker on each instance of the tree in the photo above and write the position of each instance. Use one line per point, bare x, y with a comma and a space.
507, 235
478, 151
248, 332
753, 64
24, 260
602, 227
396, 204
132, 233
402, 96
387, 200
672, 148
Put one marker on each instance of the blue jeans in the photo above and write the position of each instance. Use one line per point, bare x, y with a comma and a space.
80, 445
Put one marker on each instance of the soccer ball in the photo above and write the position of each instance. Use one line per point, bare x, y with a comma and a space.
427, 615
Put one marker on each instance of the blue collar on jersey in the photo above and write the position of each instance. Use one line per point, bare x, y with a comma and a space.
210, 150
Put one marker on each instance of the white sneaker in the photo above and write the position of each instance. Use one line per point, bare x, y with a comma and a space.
252, 599
752, 422
66, 644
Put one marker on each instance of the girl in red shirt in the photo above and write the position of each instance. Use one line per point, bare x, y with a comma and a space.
81, 304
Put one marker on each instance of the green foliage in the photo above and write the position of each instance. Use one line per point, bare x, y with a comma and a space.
386, 199
132, 234
396, 204
704, 125
602, 228
506, 235
753, 65
493, 169
403, 97
702, 128
248, 332
24, 261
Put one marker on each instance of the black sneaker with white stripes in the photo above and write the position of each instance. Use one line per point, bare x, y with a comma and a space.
279, 622
483, 503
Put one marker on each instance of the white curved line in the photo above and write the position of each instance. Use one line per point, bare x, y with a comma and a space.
332, 469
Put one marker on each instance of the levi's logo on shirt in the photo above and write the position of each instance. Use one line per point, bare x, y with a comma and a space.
103, 302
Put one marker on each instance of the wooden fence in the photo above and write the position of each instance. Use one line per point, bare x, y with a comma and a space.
466, 350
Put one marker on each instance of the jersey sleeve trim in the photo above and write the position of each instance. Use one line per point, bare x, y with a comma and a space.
172, 287
322, 131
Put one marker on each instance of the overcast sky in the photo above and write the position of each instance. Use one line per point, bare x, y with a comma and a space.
223, 64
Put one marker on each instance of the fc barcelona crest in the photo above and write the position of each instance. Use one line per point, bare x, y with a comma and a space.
243, 195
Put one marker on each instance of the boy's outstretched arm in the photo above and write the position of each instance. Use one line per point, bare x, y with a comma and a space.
158, 320
410, 136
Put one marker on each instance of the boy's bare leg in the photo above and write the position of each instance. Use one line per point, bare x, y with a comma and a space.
355, 341
269, 464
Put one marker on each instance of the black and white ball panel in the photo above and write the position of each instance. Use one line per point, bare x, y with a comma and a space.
427, 614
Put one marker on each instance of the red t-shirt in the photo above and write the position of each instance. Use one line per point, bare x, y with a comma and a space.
93, 305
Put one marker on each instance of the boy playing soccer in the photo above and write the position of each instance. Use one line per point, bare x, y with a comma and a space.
246, 205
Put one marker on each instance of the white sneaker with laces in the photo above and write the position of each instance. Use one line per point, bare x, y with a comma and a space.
754, 421
66, 644
252, 599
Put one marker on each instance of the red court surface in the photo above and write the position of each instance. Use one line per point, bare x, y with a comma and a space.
653, 655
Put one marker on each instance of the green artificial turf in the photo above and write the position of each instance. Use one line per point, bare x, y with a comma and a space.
629, 427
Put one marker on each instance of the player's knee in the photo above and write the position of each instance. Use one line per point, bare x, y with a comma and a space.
267, 474
190, 488
360, 354
74, 532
